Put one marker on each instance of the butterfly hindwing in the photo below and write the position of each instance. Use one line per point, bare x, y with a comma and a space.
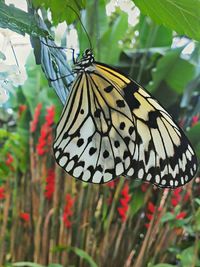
91, 143
111, 126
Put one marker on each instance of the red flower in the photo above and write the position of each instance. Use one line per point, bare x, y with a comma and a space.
111, 184
49, 118
9, 159
34, 122
68, 210
124, 201
45, 139
151, 210
195, 120
50, 184
176, 197
181, 215
186, 196
151, 207
144, 187
22, 108
2, 193
25, 216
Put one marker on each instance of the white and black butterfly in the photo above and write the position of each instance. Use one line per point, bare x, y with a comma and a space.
110, 126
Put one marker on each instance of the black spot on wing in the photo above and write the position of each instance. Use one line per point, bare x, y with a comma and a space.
108, 89
152, 122
97, 113
129, 91
120, 103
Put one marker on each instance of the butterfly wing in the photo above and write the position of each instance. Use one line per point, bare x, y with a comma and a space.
90, 142
111, 126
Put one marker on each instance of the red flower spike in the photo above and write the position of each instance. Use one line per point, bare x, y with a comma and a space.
151, 207
149, 216
124, 201
68, 210
50, 184
177, 191
111, 184
186, 196
9, 159
195, 120
22, 108
25, 216
181, 215
174, 202
49, 118
2, 193
144, 187
45, 138
34, 122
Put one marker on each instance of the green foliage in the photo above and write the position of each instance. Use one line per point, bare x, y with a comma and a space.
163, 265
19, 21
193, 135
188, 258
182, 16
152, 35
84, 255
26, 264
111, 52
66, 10
173, 70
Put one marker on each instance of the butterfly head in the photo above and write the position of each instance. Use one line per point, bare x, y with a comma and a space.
85, 62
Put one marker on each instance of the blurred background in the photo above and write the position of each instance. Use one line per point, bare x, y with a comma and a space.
47, 218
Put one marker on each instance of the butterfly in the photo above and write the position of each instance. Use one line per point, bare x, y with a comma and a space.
111, 126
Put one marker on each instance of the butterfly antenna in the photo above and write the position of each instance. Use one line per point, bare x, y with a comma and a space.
88, 37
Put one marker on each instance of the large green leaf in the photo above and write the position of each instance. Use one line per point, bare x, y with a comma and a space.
193, 134
172, 69
19, 21
26, 263
151, 35
163, 265
62, 10
111, 51
183, 16
187, 257
84, 255
95, 21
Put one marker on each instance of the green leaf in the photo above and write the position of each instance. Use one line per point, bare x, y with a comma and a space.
19, 21
183, 16
95, 21
84, 255
168, 216
197, 220
151, 35
111, 38
137, 202
163, 265
197, 200
193, 134
62, 10
27, 264
173, 70
54, 265
186, 257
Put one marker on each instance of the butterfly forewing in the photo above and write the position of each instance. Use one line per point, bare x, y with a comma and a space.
111, 126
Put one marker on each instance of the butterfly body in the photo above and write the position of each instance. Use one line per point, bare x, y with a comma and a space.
111, 126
